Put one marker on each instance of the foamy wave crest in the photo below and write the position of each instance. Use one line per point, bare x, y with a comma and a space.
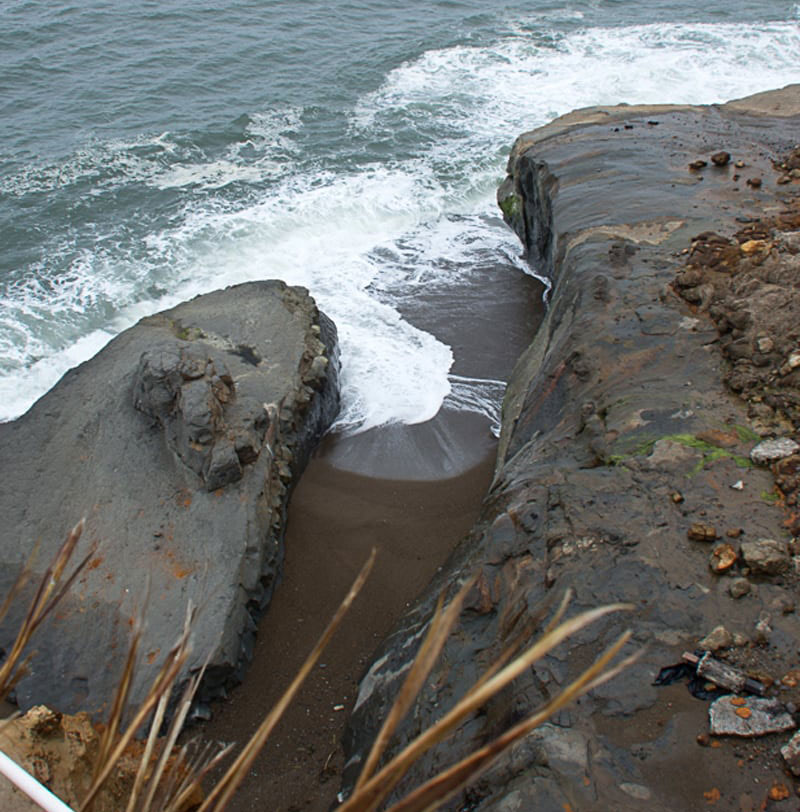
478, 395
522, 81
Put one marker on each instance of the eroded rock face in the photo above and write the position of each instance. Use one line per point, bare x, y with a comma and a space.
619, 436
179, 443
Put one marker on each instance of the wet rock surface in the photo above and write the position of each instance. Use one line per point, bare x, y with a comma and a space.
179, 443
624, 456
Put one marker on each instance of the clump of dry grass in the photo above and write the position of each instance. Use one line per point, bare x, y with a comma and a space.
170, 778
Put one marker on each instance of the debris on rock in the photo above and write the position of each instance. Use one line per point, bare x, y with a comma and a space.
723, 675
763, 629
748, 717
723, 558
717, 638
773, 450
791, 754
766, 556
702, 532
739, 587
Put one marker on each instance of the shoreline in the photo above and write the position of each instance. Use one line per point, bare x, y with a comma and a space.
335, 517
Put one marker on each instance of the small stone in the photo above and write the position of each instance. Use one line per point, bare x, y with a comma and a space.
733, 532
766, 716
791, 679
740, 164
703, 739
722, 558
754, 247
778, 792
783, 179
763, 631
765, 344
721, 158
738, 485
702, 532
769, 451
754, 183
676, 497
740, 640
766, 556
793, 361
698, 164
783, 604
739, 587
716, 639
638, 791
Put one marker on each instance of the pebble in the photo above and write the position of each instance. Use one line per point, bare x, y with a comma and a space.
739, 587
716, 639
754, 716
699, 164
722, 558
769, 451
791, 754
766, 556
702, 532
754, 183
763, 630
740, 640
721, 158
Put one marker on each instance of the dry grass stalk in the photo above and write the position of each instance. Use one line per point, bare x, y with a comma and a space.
447, 783
175, 778
440, 626
162, 686
219, 797
48, 594
377, 788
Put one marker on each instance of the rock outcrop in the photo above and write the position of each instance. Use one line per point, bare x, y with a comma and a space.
619, 435
179, 443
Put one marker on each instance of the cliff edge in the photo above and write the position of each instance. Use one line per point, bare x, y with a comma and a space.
632, 466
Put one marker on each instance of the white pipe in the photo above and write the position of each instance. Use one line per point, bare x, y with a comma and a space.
39, 794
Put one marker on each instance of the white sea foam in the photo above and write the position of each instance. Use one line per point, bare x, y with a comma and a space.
363, 238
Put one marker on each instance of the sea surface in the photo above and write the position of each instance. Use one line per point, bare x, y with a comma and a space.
152, 151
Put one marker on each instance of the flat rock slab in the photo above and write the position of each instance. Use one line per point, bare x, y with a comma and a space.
170, 443
750, 717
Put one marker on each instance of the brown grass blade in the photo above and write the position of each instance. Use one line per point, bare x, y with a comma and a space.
163, 683
120, 700
443, 786
524, 635
175, 727
147, 755
195, 775
382, 783
43, 602
219, 797
441, 625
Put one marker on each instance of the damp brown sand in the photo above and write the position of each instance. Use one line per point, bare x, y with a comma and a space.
335, 518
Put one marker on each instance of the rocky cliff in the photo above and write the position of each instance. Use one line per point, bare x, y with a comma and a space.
179, 443
626, 468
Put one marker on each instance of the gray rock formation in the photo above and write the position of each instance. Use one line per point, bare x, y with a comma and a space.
618, 435
179, 443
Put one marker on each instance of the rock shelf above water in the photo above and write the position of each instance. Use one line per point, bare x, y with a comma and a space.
179, 443
620, 432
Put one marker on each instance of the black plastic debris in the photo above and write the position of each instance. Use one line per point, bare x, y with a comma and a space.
708, 678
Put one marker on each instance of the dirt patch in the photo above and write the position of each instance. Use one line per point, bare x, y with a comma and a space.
61, 752
749, 285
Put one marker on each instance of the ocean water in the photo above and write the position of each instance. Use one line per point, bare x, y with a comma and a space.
153, 151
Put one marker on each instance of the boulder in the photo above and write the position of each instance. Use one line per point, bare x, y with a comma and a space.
178, 443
